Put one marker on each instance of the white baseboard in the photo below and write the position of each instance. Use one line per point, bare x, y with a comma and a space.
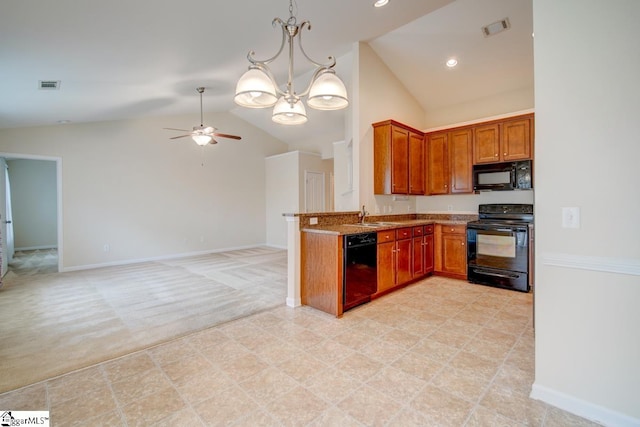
582, 408
276, 246
158, 258
604, 264
33, 248
294, 302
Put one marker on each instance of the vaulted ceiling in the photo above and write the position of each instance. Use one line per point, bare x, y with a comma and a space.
122, 59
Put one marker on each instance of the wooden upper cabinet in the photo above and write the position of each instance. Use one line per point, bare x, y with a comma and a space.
460, 155
398, 159
449, 157
486, 148
438, 163
516, 140
416, 163
504, 141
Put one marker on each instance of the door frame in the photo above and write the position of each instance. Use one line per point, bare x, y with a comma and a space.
58, 160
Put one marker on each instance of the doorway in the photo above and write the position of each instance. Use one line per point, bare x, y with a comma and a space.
30, 214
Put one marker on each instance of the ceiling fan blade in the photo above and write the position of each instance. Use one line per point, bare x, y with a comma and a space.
224, 135
181, 130
181, 136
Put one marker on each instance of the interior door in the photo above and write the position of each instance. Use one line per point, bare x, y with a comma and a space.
314, 191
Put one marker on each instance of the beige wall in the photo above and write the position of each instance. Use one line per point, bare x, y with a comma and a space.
34, 203
587, 150
381, 96
281, 195
285, 189
125, 185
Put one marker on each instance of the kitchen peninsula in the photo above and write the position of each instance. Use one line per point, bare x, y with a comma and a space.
409, 247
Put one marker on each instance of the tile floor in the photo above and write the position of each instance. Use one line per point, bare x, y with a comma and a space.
438, 353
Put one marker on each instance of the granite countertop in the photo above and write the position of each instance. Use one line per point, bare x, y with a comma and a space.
345, 229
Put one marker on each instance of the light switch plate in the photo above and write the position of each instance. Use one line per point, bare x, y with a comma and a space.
571, 217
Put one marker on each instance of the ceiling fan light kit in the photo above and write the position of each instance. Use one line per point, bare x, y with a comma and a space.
203, 135
257, 88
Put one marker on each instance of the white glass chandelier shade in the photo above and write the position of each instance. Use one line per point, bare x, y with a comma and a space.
202, 139
255, 90
285, 113
258, 88
327, 92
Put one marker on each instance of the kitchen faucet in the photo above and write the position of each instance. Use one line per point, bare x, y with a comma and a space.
362, 214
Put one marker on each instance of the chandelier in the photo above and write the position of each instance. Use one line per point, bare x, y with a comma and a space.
257, 88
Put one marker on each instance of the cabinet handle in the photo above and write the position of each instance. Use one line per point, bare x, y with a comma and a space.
504, 154
445, 186
495, 155
462, 243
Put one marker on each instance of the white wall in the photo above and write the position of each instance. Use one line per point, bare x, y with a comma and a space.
381, 96
125, 185
587, 65
34, 203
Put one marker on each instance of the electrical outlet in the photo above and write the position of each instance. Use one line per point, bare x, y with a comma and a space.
571, 217
313, 221
106, 247
449, 207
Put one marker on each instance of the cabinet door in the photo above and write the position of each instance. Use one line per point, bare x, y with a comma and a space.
418, 257
404, 253
399, 160
386, 266
416, 163
460, 156
486, 144
454, 253
516, 140
438, 164
428, 253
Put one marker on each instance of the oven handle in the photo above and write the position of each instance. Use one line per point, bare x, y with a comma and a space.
506, 276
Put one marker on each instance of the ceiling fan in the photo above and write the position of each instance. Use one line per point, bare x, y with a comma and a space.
202, 134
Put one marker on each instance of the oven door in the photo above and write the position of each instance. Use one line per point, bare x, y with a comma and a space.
498, 255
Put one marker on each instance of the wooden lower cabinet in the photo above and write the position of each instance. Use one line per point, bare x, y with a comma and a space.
451, 256
386, 266
321, 272
422, 251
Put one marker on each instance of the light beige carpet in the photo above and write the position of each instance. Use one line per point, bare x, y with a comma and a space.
54, 323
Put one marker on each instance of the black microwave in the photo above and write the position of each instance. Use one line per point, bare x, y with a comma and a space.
502, 176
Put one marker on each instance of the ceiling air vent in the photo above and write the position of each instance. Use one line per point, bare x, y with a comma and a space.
496, 27
49, 84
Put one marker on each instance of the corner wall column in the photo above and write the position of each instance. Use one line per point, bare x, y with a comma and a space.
293, 261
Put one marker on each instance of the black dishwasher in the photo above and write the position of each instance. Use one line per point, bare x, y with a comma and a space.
360, 279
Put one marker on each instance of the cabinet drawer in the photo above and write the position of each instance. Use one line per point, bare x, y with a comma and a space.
403, 233
386, 236
428, 229
418, 231
454, 229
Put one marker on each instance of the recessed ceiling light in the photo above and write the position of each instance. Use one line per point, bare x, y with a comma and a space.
380, 3
452, 62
